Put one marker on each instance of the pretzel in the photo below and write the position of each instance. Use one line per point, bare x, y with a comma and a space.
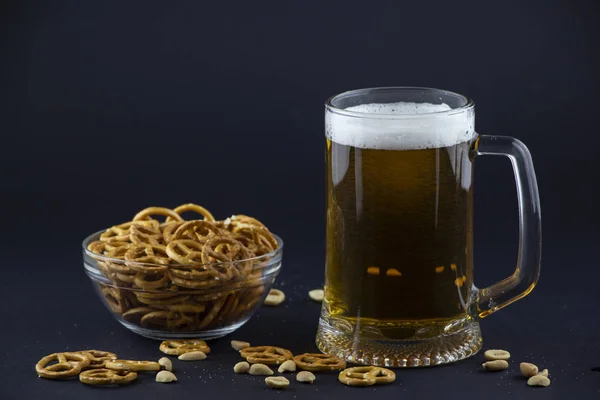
105, 376
135, 315
222, 249
168, 230
132, 365
185, 251
67, 365
155, 299
366, 376
193, 208
212, 314
147, 254
315, 362
120, 233
166, 212
179, 347
116, 299
258, 238
141, 235
98, 358
266, 354
151, 281
198, 230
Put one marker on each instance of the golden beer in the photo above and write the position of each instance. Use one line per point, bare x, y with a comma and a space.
399, 237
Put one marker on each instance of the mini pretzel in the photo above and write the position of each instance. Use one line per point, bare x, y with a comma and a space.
68, 365
147, 254
135, 314
105, 376
198, 230
151, 281
179, 347
194, 208
319, 362
121, 232
165, 212
168, 230
98, 358
223, 249
366, 376
132, 365
115, 299
185, 251
141, 235
266, 354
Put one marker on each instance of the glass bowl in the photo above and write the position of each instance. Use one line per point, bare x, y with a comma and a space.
179, 301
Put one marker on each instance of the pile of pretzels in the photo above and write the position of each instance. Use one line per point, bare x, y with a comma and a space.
183, 275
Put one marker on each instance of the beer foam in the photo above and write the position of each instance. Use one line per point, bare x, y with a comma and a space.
378, 128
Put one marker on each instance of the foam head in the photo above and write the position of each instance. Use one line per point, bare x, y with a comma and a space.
400, 126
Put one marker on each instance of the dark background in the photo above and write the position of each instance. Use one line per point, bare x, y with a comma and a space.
109, 107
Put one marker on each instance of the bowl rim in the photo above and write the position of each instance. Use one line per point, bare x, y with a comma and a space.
99, 257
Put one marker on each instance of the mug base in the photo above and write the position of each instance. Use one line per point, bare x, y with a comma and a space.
385, 352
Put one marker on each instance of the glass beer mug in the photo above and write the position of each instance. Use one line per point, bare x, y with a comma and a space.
399, 286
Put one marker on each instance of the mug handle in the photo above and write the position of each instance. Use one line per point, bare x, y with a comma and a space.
525, 277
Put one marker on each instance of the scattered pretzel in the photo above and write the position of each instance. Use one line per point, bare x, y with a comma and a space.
319, 362
105, 376
266, 354
132, 365
366, 376
67, 365
179, 347
98, 358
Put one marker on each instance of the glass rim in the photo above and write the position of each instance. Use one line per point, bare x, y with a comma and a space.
101, 257
469, 103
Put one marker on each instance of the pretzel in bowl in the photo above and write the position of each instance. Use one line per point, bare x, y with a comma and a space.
183, 276
315, 362
268, 355
366, 376
179, 347
103, 376
67, 365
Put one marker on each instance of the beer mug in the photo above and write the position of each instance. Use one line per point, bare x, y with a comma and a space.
399, 286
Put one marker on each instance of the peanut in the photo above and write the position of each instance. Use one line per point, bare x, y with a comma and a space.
288, 365
275, 297
260, 369
192, 356
241, 367
538, 380
165, 377
305, 377
166, 363
316, 295
496, 365
528, 369
493, 355
277, 382
239, 345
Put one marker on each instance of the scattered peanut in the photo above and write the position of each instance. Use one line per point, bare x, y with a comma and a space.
288, 365
166, 363
316, 295
192, 356
496, 365
528, 369
277, 382
493, 355
239, 345
275, 297
260, 369
241, 367
305, 377
544, 373
165, 377
538, 380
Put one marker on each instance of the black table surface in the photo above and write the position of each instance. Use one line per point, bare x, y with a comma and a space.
556, 327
